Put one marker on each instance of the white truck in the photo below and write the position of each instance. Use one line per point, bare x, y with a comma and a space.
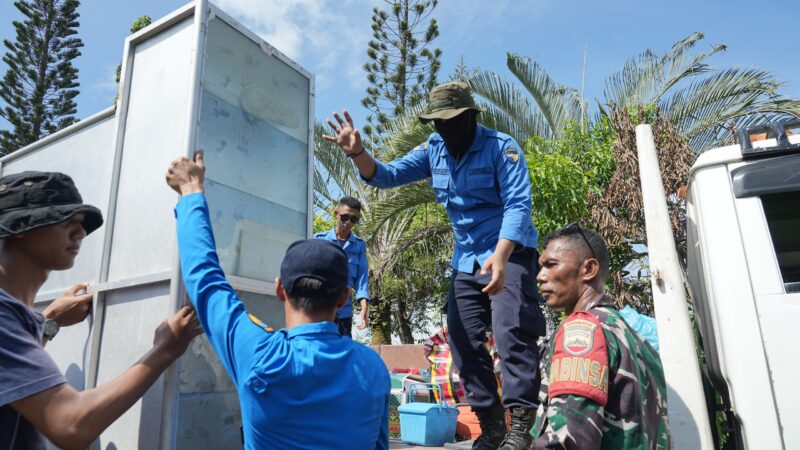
743, 239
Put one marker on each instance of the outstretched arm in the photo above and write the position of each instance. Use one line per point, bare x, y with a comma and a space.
72, 419
414, 166
222, 314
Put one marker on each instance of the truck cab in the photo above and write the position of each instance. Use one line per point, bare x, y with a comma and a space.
743, 251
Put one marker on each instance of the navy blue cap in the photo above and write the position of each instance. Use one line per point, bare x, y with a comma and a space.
317, 259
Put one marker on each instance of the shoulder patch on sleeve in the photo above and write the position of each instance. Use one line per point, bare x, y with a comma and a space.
423, 147
259, 323
580, 359
512, 154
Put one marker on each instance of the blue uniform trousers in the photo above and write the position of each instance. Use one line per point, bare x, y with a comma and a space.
516, 319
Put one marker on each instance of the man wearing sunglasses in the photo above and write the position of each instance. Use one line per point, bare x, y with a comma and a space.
603, 386
347, 215
480, 177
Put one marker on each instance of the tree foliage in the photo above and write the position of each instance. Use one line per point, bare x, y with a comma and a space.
565, 172
402, 68
535, 106
40, 86
586, 170
705, 105
618, 210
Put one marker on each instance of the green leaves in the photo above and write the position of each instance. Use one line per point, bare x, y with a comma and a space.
544, 109
564, 172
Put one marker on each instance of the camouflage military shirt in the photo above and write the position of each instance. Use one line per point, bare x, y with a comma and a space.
602, 386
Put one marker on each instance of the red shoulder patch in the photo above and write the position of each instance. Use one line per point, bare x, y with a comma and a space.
580, 359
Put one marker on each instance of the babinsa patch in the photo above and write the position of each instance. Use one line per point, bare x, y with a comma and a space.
578, 337
512, 154
580, 359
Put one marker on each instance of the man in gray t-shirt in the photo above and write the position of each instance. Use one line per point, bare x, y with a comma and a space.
42, 223
26, 370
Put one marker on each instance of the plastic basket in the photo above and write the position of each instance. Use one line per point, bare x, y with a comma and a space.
428, 424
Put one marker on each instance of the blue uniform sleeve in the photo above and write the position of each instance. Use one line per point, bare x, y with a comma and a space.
383, 434
362, 290
414, 166
222, 314
515, 191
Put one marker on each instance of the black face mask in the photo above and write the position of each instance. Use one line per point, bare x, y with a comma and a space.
458, 132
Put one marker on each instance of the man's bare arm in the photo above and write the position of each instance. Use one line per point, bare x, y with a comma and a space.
73, 420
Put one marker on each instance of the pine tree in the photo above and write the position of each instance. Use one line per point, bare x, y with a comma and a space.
402, 69
39, 88
462, 72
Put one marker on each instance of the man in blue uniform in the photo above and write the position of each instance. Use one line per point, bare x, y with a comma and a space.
297, 386
347, 214
480, 177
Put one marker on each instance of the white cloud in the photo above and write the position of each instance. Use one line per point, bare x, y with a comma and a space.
324, 36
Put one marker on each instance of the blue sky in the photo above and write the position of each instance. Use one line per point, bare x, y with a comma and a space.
329, 38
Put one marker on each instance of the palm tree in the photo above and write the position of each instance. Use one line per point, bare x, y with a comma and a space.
545, 112
705, 105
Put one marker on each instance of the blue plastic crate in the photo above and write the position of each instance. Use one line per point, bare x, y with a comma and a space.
428, 424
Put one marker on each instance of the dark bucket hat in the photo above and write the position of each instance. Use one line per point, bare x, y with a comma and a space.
31, 200
448, 100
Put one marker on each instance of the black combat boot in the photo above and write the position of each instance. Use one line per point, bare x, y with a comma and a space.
493, 428
519, 438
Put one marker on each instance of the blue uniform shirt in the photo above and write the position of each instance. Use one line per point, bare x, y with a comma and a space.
487, 194
304, 388
356, 250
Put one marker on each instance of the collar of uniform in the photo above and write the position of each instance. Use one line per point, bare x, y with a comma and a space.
480, 136
603, 300
313, 328
333, 237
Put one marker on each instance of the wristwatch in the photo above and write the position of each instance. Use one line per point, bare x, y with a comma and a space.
51, 328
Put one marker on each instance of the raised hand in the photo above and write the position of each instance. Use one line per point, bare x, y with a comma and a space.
347, 136
186, 176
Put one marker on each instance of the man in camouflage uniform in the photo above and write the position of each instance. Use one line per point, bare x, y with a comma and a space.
602, 385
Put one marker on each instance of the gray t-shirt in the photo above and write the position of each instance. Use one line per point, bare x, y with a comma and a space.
25, 369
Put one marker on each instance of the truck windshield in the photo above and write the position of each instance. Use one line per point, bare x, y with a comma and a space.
783, 217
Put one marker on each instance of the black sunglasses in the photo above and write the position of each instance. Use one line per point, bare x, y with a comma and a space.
348, 218
575, 226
